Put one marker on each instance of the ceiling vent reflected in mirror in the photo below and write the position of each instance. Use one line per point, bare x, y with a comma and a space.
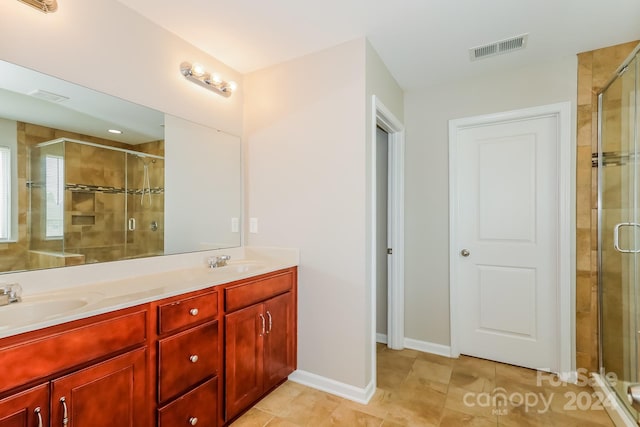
46, 6
499, 47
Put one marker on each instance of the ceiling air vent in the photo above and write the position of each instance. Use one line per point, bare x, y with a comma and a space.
47, 96
499, 47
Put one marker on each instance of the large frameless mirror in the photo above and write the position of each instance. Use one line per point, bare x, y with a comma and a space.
86, 177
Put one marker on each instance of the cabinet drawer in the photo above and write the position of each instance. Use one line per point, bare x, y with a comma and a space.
188, 311
246, 294
186, 359
198, 407
38, 358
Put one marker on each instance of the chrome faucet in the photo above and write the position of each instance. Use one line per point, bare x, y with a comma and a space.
218, 261
10, 293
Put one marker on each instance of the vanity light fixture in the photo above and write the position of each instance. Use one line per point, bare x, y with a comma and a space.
46, 6
197, 74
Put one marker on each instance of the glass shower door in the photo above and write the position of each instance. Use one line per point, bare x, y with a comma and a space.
144, 206
619, 228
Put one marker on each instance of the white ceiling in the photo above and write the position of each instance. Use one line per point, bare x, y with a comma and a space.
422, 42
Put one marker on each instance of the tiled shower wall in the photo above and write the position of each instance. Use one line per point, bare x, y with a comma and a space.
595, 69
17, 255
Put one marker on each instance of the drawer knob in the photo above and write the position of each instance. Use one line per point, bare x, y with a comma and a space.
193, 421
193, 312
193, 358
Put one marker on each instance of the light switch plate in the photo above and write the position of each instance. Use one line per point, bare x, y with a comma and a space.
253, 225
235, 225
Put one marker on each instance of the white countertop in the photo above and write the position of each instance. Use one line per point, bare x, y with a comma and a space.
95, 298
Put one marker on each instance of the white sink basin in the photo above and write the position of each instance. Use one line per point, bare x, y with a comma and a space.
35, 309
244, 266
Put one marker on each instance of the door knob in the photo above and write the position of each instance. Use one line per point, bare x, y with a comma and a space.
465, 252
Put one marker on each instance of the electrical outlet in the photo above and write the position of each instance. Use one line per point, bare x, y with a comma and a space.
253, 225
235, 225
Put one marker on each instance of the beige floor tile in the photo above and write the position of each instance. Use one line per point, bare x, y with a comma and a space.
479, 404
277, 402
412, 407
441, 360
346, 416
526, 376
422, 390
253, 418
377, 406
279, 422
451, 418
431, 372
467, 378
393, 369
310, 408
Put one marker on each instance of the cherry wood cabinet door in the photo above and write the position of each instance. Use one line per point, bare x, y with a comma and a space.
278, 344
27, 409
111, 393
244, 369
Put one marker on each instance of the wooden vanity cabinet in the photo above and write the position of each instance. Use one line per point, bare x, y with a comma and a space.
29, 408
188, 360
260, 339
95, 368
156, 364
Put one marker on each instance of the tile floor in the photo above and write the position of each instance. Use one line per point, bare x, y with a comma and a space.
420, 389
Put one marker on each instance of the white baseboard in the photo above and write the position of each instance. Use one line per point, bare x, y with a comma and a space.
360, 395
357, 394
428, 347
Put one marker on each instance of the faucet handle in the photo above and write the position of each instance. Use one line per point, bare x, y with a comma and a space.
15, 292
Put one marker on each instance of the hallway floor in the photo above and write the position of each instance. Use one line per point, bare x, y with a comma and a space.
420, 389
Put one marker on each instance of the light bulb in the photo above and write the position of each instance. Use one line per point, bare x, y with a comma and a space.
216, 79
232, 86
197, 70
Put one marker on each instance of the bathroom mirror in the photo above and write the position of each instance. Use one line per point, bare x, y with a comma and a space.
87, 177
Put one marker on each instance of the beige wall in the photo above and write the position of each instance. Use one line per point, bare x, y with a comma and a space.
305, 156
308, 131
427, 213
106, 46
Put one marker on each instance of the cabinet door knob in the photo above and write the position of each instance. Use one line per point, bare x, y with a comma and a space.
193, 312
193, 421
193, 358
37, 412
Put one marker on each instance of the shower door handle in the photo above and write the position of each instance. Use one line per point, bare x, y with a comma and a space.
132, 224
616, 237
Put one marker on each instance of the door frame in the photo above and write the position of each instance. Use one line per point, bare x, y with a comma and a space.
565, 335
384, 118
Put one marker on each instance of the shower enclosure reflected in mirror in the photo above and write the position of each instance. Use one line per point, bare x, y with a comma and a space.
83, 178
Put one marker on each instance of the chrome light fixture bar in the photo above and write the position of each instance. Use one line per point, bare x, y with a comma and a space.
197, 74
46, 6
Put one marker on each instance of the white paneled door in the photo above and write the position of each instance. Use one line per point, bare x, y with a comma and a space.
506, 241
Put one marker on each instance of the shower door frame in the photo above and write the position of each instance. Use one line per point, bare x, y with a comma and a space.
617, 410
